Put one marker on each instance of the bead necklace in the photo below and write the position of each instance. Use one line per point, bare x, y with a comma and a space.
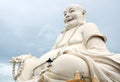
20, 68
64, 32
20, 63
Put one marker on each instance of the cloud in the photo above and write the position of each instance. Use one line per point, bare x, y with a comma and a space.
5, 73
5, 69
31, 26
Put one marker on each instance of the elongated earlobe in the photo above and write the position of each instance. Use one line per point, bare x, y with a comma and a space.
84, 12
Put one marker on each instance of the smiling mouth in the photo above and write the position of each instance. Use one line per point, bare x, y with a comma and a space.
70, 19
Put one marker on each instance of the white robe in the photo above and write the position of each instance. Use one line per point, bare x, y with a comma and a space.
81, 49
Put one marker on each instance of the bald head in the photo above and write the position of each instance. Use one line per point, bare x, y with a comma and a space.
74, 15
75, 6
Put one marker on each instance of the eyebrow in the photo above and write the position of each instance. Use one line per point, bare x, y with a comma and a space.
71, 8
65, 11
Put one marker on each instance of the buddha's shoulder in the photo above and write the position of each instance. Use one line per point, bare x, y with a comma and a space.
90, 26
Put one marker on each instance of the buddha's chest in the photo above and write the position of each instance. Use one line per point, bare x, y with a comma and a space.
71, 37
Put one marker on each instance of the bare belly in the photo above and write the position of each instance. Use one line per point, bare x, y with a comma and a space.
64, 67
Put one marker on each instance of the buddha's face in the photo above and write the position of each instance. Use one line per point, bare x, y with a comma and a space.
73, 16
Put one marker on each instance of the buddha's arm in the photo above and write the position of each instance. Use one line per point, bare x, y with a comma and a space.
96, 43
59, 38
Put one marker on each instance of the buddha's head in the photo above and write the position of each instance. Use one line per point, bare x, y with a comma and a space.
74, 15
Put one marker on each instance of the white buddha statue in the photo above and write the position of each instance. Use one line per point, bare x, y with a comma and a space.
80, 47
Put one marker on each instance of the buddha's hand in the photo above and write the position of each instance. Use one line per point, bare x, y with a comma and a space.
20, 58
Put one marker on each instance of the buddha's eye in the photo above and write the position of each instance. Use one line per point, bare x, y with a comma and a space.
65, 14
72, 10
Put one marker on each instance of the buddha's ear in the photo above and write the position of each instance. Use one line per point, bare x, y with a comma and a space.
84, 12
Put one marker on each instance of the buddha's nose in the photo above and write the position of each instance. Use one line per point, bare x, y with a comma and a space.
67, 15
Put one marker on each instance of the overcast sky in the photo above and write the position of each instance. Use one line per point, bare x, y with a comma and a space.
32, 26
